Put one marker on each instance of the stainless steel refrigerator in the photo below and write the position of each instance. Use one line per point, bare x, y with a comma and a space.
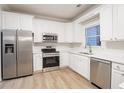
16, 53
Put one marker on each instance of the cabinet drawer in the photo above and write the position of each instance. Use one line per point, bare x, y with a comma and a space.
118, 66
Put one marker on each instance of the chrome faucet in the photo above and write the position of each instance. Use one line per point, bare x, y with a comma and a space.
90, 49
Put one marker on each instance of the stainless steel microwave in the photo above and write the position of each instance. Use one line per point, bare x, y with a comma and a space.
49, 38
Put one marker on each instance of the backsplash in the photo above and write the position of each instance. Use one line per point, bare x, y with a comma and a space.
112, 48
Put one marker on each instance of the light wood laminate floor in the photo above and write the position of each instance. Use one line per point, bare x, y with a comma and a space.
59, 79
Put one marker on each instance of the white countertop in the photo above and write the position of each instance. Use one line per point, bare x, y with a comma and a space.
113, 58
106, 56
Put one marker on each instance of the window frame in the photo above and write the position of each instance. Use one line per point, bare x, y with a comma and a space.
89, 26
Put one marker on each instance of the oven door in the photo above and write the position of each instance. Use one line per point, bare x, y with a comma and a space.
50, 61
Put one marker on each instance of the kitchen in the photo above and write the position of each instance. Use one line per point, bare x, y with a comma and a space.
80, 48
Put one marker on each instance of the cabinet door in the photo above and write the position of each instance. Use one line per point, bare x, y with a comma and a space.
72, 61
117, 78
37, 31
10, 20
77, 32
37, 62
119, 22
68, 32
26, 22
37, 37
61, 32
106, 22
83, 66
64, 59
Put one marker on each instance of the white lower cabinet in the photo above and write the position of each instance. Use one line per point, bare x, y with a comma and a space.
117, 75
84, 66
37, 61
64, 59
80, 64
72, 61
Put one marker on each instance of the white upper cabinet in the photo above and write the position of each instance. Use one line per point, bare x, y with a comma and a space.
111, 22
118, 22
46, 26
16, 21
37, 31
68, 32
77, 32
10, 20
106, 22
60, 30
26, 22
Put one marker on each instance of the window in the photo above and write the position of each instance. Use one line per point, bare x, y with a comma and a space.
93, 36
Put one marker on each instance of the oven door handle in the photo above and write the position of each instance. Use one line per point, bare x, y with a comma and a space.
50, 56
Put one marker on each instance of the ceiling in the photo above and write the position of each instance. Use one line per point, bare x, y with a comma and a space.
63, 12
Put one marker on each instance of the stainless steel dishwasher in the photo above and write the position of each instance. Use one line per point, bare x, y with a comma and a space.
100, 73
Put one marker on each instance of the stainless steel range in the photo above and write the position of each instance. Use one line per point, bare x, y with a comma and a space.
50, 59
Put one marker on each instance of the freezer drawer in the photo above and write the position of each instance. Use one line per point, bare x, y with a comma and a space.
100, 73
